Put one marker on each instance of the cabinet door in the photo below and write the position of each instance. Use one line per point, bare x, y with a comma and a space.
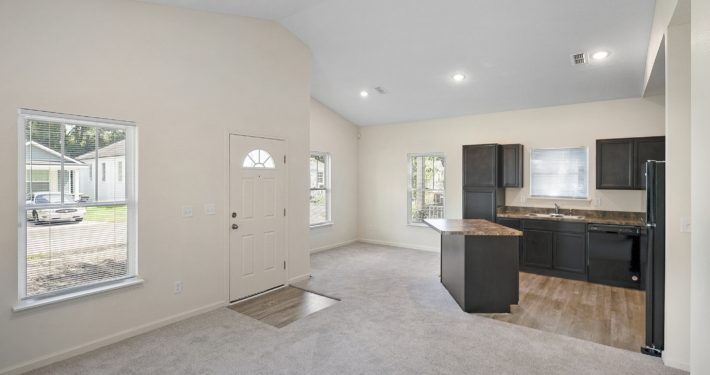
570, 252
480, 164
479, 204
651, 148
512, 165
615, 164
537, 248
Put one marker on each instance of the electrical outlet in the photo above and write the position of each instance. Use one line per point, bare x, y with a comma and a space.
210, 209
186, 211
597, 202
178, 287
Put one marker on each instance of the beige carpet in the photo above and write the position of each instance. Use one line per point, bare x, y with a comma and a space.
394, 318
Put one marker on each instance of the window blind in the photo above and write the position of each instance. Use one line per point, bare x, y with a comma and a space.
559, 173
77, 227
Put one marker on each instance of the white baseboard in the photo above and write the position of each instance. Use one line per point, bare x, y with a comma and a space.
332, 246
676, 364
298, 278
107, 340
400, 244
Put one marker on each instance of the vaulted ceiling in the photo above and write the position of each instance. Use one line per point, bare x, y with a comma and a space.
515, 54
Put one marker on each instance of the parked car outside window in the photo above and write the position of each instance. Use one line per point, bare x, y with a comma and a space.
69, 213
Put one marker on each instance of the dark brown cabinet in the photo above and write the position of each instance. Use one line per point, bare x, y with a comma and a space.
537, 248
512, 159
554, 248
651, 148
482, 193
569, 252
621, 162
480, 165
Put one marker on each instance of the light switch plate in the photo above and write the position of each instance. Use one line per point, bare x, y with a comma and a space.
210, 209
186, 211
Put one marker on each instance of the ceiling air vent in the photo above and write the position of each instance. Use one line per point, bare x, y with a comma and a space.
579, 58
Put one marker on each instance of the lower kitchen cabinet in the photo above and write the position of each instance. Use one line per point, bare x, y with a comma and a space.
554, 248
569, 252
537, 248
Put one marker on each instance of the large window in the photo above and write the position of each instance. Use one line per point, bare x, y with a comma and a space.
425, 195
77, 233
320, 189
559, 173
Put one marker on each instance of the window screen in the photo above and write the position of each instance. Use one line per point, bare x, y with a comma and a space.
426, 185
559, 173
320, 188
76, 228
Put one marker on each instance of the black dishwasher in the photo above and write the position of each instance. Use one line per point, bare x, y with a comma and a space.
616, 255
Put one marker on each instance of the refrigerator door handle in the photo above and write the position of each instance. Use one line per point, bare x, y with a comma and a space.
650, 193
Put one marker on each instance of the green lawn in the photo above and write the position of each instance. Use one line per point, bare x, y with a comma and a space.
113, 214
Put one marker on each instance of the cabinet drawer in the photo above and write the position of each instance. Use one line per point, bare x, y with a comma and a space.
555, 226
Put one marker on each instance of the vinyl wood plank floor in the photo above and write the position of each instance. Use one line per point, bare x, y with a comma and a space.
603, 314
283, 306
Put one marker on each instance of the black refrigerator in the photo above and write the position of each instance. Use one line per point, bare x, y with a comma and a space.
656, 261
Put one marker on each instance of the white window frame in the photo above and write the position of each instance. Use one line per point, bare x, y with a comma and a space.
409, 184
328, 188
131, 172
531, 196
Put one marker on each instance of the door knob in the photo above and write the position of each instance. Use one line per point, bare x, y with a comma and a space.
235, 226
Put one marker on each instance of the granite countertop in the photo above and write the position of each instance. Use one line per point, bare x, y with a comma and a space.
588, 216
471, 227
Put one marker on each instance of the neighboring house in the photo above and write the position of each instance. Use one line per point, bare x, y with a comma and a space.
106, 172
44, 167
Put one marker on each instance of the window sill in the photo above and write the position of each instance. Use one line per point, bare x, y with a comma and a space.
421, 225
39, 302
321, 225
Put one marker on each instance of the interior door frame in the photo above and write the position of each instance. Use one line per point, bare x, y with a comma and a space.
228, 204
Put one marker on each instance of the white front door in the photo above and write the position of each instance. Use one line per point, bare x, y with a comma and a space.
257, 250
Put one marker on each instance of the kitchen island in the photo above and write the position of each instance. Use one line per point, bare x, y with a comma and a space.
479, 263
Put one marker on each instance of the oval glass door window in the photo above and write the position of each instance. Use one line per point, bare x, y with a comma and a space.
258, 159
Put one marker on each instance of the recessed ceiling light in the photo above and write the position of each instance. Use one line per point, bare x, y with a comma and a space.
600, 55
458, 77
364, 94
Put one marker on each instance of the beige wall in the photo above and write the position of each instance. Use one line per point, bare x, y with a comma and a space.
662, 17
187, 79
677, 317
382, 188
700, 186
332, 133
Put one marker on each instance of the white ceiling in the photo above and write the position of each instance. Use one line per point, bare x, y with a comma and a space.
515, 53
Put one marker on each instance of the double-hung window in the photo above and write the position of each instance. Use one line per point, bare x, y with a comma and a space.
426, 187
77, 233
559, 173
320, 189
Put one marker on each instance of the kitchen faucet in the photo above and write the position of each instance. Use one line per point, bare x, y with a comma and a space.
557, 209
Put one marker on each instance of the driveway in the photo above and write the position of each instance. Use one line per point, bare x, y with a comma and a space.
64, 255
73, 237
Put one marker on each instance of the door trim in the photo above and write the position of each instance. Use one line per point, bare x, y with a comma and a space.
225, 222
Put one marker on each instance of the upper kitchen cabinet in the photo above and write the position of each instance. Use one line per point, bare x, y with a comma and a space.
649, 148
621, 163
480, 165
512, 159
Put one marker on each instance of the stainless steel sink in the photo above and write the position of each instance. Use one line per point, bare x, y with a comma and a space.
557, 216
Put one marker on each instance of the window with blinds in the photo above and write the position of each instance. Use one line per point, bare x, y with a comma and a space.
426, 190
559, 173
320, 189
77, 231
